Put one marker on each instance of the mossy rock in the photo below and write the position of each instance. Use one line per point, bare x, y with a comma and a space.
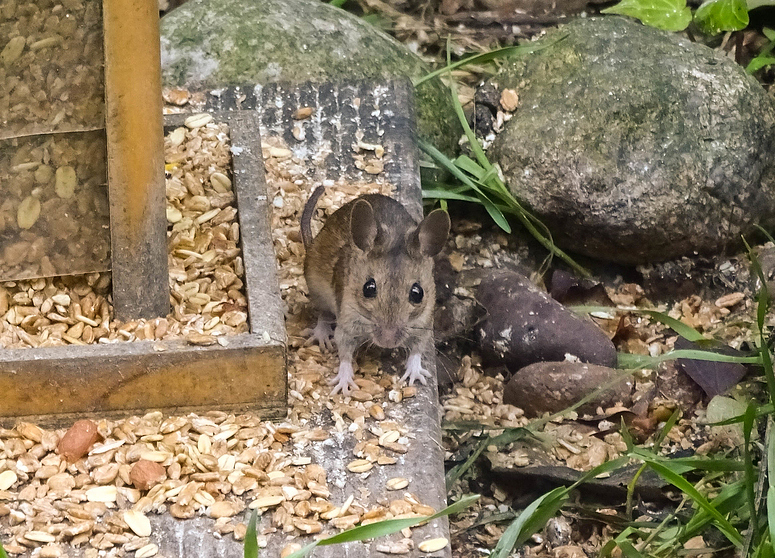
637, 145
213, 43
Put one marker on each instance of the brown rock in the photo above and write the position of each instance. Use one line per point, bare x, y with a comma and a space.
553, 386
675, 385
524, 325
145, 474
77, 441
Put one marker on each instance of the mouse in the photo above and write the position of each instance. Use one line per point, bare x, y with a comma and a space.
369, 272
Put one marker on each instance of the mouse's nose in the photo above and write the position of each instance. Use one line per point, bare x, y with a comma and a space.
389, 337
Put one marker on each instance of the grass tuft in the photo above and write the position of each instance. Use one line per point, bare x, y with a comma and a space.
480, 180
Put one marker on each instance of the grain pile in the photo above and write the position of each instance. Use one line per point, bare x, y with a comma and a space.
51, 66
216, 464
205, 262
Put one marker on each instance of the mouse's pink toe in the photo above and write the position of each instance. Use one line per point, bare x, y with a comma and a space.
415, 371
344, 380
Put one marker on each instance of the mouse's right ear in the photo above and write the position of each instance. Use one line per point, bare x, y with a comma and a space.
363, 227
431, 234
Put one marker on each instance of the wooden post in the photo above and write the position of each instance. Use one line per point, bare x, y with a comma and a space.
135, 135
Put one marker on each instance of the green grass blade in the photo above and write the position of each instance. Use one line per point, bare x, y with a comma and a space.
762, 229
763, 302
496, 214
460, 469
770, 512
251, 541
629, 551
685, 331
382, 528
491, 208
2, 552
750, 477
731, 498
628, 361
668, 427
758, 63
686, 487
470, 166
474, 144
517, 531
761, 411
489, 56
717, 465
447, 195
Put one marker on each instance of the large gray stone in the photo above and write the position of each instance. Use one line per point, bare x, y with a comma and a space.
213, 43
637, 145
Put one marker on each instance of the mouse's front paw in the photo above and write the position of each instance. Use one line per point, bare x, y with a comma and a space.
322, 333
415, 371
344, 380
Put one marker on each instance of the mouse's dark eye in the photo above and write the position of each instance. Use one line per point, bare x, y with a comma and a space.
370, 288
415, 294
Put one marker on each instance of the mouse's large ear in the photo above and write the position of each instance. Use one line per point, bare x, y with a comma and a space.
431, 233
363, 227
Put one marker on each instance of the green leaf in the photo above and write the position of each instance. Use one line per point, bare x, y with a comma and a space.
769, 33
628, 361
470, 166
670, 15
715, 16
496, 214
758, 63
770, 511
629, 551
382, 528
437, 194
492, 209
685, 331
251, 541
2, 552
687, 488
517, 533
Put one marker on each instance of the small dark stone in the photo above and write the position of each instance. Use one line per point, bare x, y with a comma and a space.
444, 275
524, 325
672, 382
483, 121
714, 378
553, 386
488, 95
455, 318
446, 369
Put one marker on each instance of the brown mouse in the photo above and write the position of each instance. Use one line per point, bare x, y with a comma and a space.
370, 270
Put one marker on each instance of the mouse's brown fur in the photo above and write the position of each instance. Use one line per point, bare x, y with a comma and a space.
374, 239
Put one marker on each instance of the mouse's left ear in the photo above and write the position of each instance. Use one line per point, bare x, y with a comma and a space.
363, 227
431, 233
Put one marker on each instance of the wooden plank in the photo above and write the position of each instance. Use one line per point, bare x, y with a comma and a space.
135, 134
423, 464
249, 373
136, 376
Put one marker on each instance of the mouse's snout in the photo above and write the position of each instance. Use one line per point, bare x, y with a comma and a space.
389, 336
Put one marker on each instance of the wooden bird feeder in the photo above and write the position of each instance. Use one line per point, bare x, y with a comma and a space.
83, 146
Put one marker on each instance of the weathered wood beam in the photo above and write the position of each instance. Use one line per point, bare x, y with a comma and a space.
135, 134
